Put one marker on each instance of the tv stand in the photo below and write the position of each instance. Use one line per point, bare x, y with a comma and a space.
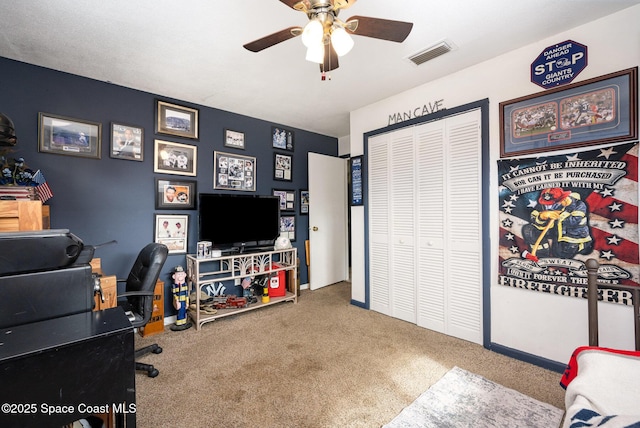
202, 272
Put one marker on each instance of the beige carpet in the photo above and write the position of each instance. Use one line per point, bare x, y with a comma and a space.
319, 363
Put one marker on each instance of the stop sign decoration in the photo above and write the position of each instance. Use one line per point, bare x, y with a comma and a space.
559, 64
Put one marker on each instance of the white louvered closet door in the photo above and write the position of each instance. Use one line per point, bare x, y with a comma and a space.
450, 226
425, 193
464, 217
392, 285
378, 200
402, 225
430, 202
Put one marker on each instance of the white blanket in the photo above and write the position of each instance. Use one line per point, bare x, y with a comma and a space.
605, 392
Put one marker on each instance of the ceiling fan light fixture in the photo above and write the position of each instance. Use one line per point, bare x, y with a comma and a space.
312, 33
342, 42
315, 53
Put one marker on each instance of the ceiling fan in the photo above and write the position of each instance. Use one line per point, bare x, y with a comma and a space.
326, 36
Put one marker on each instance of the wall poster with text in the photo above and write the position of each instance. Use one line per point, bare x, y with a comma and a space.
558, 211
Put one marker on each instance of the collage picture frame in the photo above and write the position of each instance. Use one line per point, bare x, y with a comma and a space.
304, 202
283, 139
288, 227
287, 199
234, 172
282, 167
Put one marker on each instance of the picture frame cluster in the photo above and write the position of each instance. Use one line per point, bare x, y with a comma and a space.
173, 158
68, 136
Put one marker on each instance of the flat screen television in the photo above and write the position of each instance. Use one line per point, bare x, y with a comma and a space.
238, 222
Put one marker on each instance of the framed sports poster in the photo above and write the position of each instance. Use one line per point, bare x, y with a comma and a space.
172, 230
234, 172
597, 111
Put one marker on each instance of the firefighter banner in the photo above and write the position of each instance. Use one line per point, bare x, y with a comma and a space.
558, 211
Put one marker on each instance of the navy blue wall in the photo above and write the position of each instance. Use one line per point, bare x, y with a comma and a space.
114, 199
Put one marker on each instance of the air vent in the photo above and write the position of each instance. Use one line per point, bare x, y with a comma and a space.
430, 53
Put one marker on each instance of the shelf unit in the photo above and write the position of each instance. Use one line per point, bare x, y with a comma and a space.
203, 272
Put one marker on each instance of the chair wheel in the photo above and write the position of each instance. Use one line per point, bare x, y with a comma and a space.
153, 372
157, 350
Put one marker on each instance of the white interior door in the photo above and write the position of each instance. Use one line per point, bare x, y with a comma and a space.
327, 220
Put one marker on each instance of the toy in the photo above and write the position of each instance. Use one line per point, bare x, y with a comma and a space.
180, 299
232, 301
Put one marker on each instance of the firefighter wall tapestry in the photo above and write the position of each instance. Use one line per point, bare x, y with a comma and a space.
558, 211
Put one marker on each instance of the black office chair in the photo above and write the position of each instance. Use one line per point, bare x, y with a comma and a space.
140, 285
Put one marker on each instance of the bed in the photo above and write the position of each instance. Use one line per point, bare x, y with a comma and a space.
603, 384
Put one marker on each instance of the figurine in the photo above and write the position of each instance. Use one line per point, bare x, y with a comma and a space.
180, 299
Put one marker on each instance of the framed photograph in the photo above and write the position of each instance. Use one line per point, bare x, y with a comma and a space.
127, 142
281, 138
66, 136
234, 139
234, 172
175, 194
176, 120
172, 230
174, 158
287, 199
355, 167
288, 226
601, 110
304, 202
282, 167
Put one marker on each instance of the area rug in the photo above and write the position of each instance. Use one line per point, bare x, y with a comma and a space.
463, 399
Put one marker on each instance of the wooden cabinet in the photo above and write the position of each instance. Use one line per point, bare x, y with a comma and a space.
156, 323
21, 215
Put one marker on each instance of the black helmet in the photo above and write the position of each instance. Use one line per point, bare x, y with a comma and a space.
7, 131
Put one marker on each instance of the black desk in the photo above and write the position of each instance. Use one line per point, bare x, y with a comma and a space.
57, 371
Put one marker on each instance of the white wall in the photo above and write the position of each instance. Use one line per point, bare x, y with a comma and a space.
541, 324
344, 145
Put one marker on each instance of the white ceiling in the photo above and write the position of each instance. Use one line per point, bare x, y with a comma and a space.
192, 49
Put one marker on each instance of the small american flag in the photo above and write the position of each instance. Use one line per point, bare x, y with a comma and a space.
42, 189
246, 283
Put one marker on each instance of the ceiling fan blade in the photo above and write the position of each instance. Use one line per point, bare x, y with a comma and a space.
273, 39
302, 5
343, 4
385, 29
330, 59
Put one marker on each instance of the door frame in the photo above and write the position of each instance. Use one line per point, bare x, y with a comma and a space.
483, 105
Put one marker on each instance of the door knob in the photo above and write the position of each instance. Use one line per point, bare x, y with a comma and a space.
315, 228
